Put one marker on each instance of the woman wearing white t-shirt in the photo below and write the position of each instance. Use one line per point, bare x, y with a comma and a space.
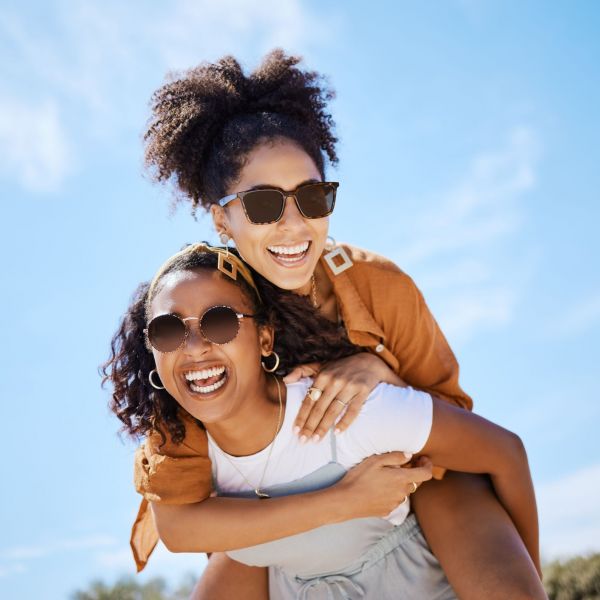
208, 335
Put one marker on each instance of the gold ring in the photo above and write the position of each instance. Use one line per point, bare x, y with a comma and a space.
341, 402
314, 393
405, 500
415, 486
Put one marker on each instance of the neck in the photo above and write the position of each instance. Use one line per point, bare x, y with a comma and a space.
252, 428
324, 286
306, 289
326, 301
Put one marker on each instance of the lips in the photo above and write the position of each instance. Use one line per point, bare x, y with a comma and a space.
289, 254
205, 381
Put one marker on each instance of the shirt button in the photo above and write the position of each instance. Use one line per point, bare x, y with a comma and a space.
379, 348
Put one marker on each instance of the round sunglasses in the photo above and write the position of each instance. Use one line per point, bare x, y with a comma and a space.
217, 325
266, 205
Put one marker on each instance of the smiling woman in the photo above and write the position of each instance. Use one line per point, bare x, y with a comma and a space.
285, 250
223, 137
209, 333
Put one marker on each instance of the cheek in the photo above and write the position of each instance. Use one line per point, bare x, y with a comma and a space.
321, 230
250, 239
163, 367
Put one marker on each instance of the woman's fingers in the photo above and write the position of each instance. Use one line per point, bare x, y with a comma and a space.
312, 405
308, 409
390, 459
329, 391
417, 474
342, 403
307, 370
352, 411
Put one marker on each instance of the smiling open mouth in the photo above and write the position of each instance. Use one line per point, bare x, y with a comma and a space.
206, 380
289, 254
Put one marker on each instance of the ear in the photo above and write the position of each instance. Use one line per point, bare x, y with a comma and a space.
266, 339
219, 218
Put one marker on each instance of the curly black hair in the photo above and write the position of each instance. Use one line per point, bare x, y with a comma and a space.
302, 335
206, 120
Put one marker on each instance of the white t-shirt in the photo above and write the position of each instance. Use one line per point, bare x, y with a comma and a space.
392, 418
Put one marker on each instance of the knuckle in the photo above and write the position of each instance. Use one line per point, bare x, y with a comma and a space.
321, 431
312, 422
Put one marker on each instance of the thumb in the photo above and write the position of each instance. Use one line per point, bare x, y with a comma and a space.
293, 376
394, 459
308, 370
424, 461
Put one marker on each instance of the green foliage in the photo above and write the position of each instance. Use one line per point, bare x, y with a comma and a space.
575, 579
127, 588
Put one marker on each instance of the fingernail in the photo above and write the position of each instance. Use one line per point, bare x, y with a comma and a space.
296, 430
337, 431
303, 439
316, 437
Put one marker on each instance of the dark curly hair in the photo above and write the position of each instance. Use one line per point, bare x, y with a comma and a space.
302, 335
205, 122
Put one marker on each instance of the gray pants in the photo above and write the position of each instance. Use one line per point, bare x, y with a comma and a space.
399, 566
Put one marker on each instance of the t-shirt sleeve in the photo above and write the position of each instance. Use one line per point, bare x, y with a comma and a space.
392, 418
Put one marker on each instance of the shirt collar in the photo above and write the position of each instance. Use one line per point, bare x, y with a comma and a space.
357, 317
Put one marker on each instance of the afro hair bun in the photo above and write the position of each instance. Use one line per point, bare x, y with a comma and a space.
206, 120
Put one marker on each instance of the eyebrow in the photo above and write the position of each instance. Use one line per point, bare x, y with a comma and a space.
262, 186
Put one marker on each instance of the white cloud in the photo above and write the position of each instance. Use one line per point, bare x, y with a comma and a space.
452, 247
99, 63
56, 547
13, 569
482, 207
197, 29
569, 514
466, 313
33, 144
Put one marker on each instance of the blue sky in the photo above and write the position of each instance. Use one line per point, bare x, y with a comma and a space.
469, 154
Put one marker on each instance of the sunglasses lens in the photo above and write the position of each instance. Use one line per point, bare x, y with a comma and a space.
219, 324
166, 333
263, 206
316, 201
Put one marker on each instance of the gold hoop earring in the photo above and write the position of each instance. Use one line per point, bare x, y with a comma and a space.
275, 367
156, 387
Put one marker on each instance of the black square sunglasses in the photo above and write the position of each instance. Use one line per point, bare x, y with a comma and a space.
266, 205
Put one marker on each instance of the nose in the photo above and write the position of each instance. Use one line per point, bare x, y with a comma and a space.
195, 343
291, 217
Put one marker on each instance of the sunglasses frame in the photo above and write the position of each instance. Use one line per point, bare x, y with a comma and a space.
285, 194
186, 334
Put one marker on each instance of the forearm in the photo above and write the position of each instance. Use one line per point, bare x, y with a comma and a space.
219, 524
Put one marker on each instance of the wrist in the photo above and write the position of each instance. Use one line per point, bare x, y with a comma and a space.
338, 504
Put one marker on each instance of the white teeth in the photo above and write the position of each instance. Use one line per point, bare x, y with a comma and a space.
289, 249
207, 388
204, 374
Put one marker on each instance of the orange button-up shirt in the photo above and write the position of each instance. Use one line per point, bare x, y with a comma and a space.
383, 311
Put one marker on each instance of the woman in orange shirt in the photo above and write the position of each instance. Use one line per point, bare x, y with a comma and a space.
251, 150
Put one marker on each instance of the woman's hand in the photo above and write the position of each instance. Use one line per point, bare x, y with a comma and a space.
377, 485
344, 385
